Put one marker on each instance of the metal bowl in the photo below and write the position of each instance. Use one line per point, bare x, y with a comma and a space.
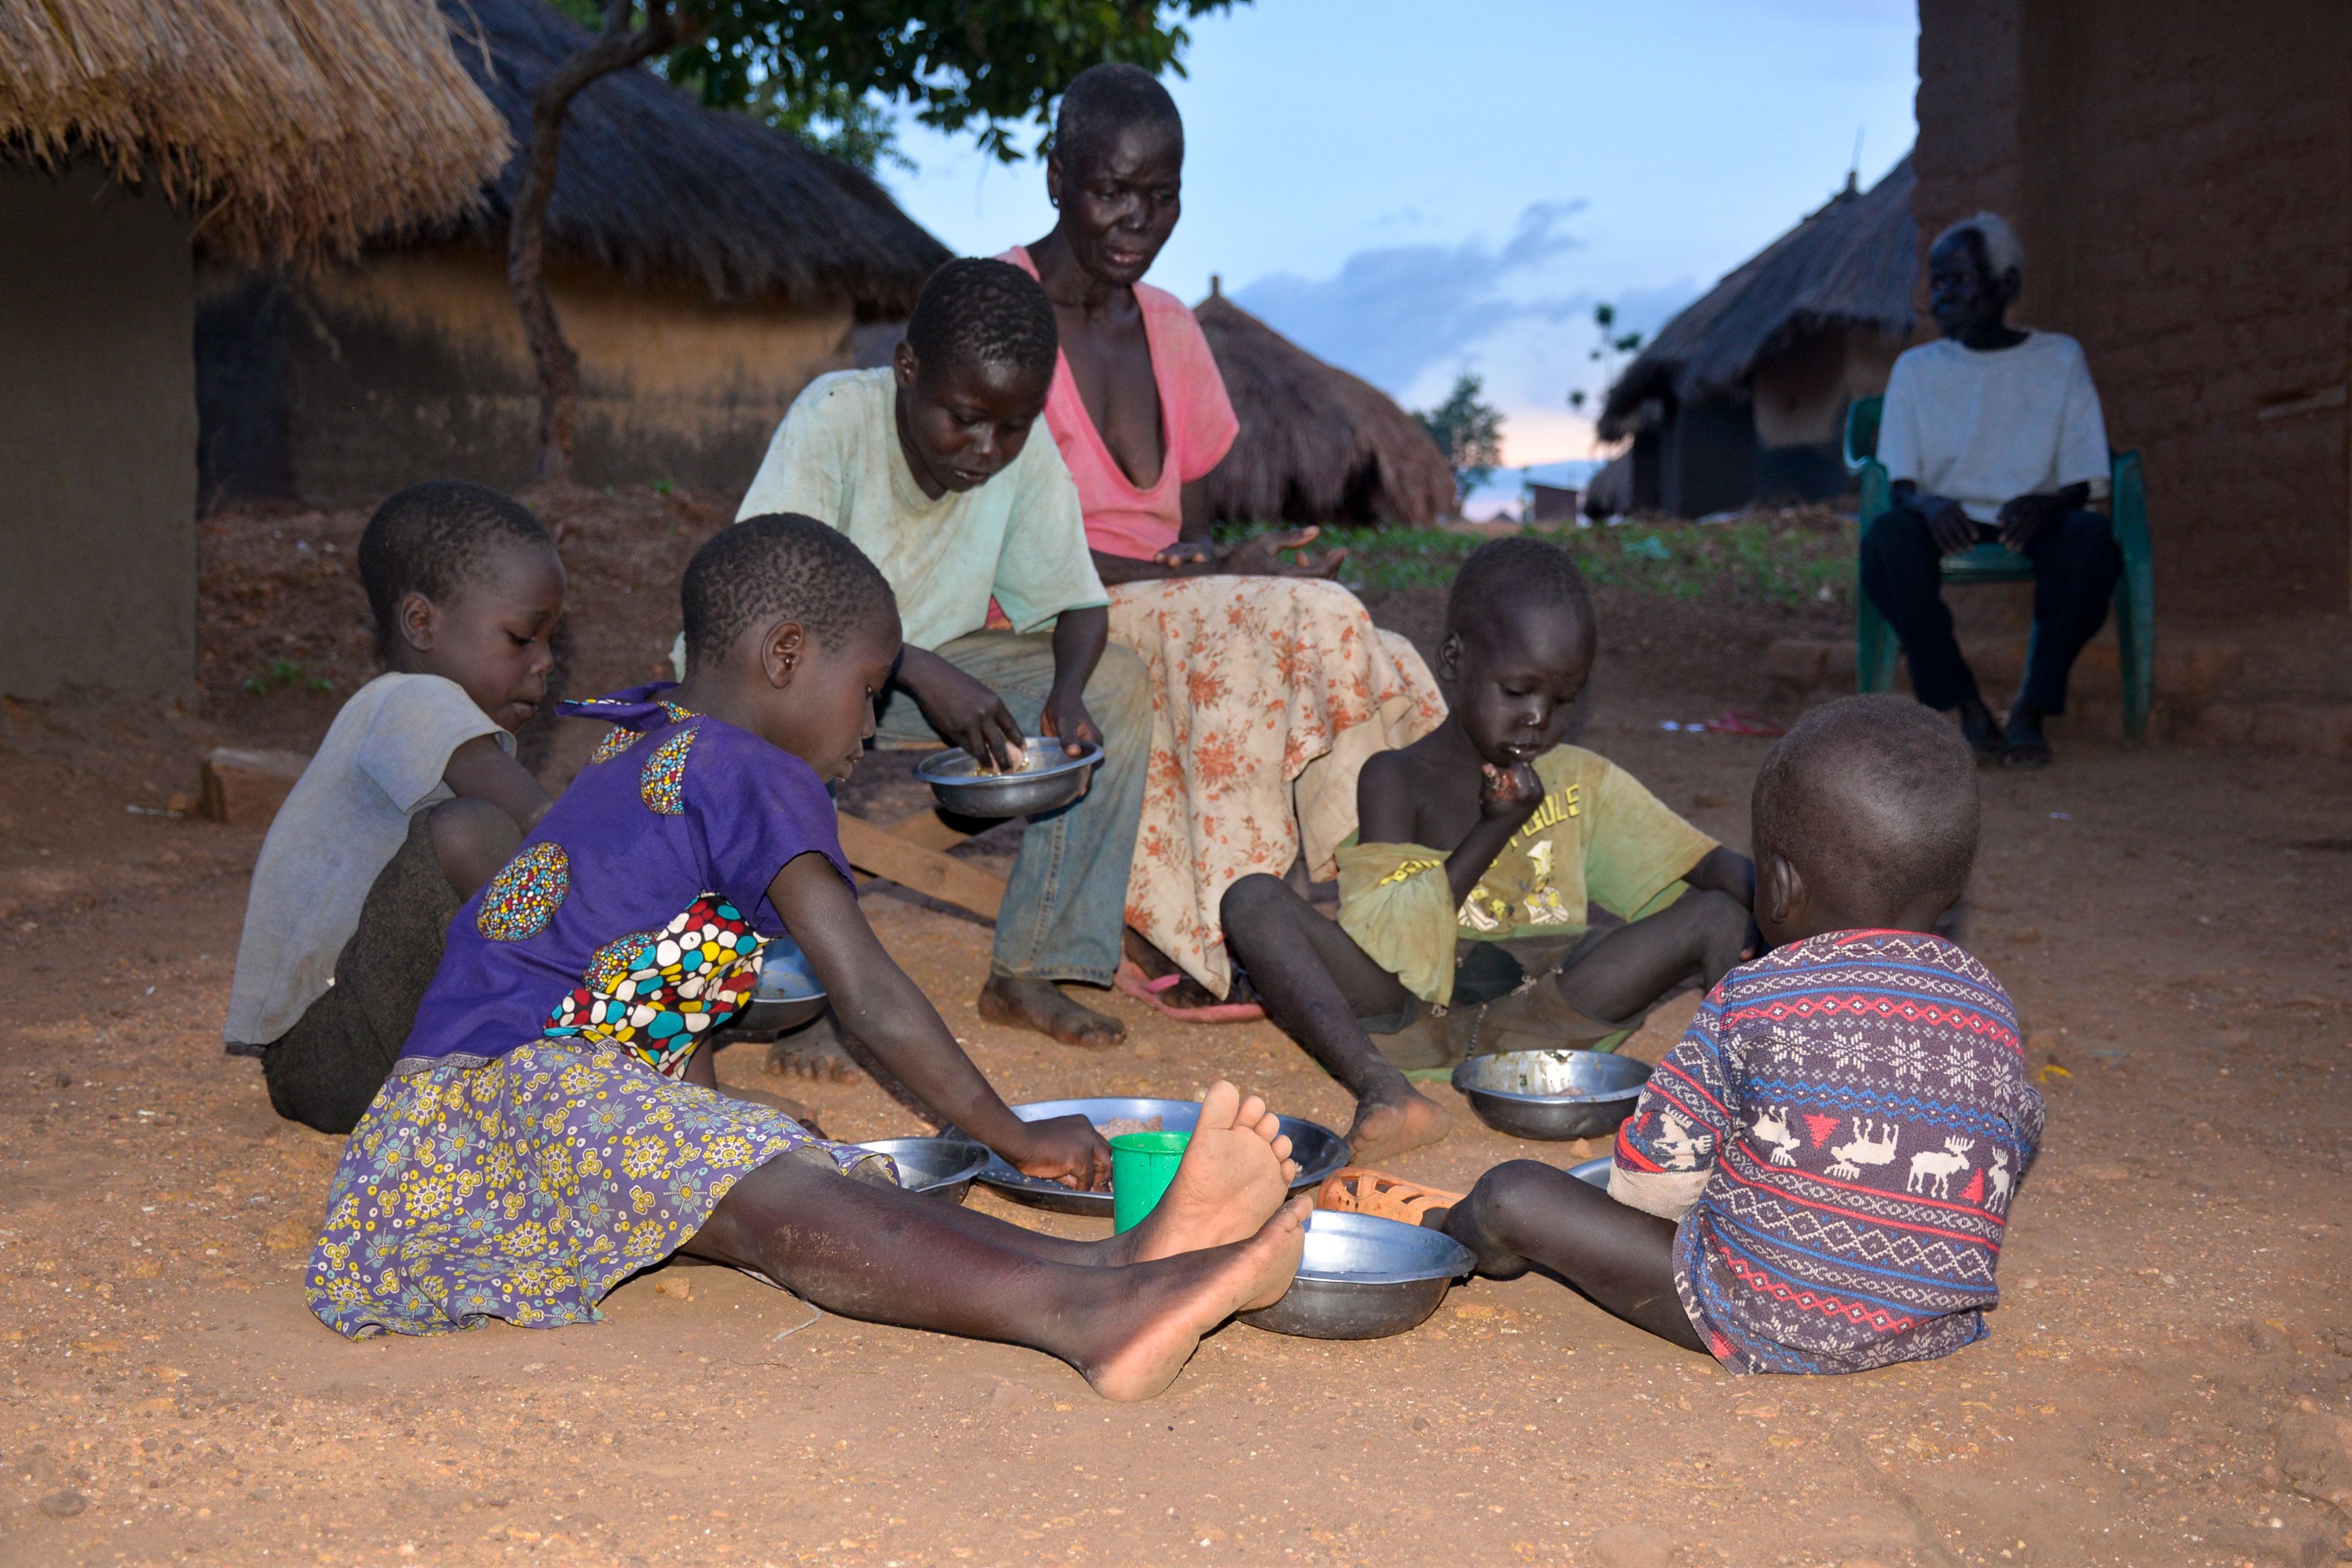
1318, 1149
1594, 1173
1049, 778
942, 1167
1365, 1277
1552, 1095
790, 994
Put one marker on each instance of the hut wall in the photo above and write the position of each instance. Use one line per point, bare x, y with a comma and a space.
1800, 396
351, 383
2181, 177
1707, 458
97, 465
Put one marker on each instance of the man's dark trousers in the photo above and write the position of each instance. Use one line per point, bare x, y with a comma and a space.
2075, 568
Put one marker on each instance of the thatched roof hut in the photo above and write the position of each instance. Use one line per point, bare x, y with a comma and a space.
1317, 444
1765, 361
652, 184
131, 132
288, 127
706, 268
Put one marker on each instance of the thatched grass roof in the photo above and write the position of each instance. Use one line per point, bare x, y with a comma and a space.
652, 184
287, 128
1317, 444
1852, 263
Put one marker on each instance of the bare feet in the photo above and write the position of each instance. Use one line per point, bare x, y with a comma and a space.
816, 1052
1039, 1005
1234, 1174
1389, 1124
1190, 1294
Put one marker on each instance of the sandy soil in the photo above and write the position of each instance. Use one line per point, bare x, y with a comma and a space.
2172, 923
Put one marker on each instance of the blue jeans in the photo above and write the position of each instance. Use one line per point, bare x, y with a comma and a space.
1067, 899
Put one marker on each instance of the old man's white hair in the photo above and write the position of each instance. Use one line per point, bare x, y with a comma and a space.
2002, 251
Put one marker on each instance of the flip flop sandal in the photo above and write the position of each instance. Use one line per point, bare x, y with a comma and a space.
1736, 722
1359, 1190
1129, 981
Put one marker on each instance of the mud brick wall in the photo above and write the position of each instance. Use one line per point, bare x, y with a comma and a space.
2181, 173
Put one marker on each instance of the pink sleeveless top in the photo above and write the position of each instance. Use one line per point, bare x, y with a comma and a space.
1196, 423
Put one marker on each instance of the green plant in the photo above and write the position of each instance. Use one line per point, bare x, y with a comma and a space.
665, 487
279, 674
1756, 557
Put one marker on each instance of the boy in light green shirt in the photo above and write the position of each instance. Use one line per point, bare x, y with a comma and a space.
930, 468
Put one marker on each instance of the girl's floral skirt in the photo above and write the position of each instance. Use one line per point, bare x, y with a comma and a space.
527, 1187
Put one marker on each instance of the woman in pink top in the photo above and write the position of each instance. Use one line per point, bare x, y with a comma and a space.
1271, 684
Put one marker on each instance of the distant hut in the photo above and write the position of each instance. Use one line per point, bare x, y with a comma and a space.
1743, 396
704, 267
131, 133
1317, 444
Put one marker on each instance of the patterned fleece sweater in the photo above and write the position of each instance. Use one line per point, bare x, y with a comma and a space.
1839, 1135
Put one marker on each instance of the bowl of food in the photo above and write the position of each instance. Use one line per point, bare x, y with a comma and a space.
1552, 1095
789, 995
1048, 777
1364, 1278
1318, 1149
942, 1167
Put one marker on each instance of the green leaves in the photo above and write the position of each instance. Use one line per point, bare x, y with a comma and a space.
1468, 431
989, 64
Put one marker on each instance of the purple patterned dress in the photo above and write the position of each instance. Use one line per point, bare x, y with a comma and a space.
534, 1145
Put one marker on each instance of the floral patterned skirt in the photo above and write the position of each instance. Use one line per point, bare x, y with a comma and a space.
1267, 694
527, 1187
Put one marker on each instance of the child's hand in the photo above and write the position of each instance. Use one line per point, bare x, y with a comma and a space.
1066, 1150
1509, 791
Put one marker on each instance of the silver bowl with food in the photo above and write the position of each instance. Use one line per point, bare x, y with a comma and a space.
1594, 1173
940, 1167
789, 993
1552, 1095
1365, 1277
1318, 1149
1047, 778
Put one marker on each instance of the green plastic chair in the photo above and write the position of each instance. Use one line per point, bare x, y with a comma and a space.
1875, 644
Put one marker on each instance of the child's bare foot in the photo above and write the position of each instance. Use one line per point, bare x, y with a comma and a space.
1387, 1124
1039, 1005
1234, 1174
1141, 1354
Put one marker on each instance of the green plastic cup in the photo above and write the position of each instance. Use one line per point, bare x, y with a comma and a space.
1142, 1166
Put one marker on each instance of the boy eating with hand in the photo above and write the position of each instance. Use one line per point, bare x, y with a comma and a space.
1461, 908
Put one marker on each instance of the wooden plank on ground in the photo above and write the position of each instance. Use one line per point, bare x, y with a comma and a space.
875, 850
928, 828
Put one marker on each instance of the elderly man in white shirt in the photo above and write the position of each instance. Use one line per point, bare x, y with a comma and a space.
1992, 434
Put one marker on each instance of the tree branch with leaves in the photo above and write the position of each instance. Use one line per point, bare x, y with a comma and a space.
1468, 430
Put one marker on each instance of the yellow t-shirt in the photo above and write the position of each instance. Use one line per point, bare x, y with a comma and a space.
1598, 837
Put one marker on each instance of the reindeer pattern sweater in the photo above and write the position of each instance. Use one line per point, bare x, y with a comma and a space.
1838, 1136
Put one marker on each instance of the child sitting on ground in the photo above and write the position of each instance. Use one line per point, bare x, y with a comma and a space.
413, 800
549, 1129
1816, 1178
1481, 843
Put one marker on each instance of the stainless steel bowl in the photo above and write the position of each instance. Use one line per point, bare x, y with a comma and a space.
790, 994
1318, 1149
1552, 1095
1594, 1173
1365, 1277
942, 1167
1052, 778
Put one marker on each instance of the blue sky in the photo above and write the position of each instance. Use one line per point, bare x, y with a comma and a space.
1411, 190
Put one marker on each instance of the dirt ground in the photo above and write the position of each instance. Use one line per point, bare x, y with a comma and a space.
2171, 921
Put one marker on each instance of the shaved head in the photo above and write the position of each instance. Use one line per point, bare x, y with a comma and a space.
1873, 800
